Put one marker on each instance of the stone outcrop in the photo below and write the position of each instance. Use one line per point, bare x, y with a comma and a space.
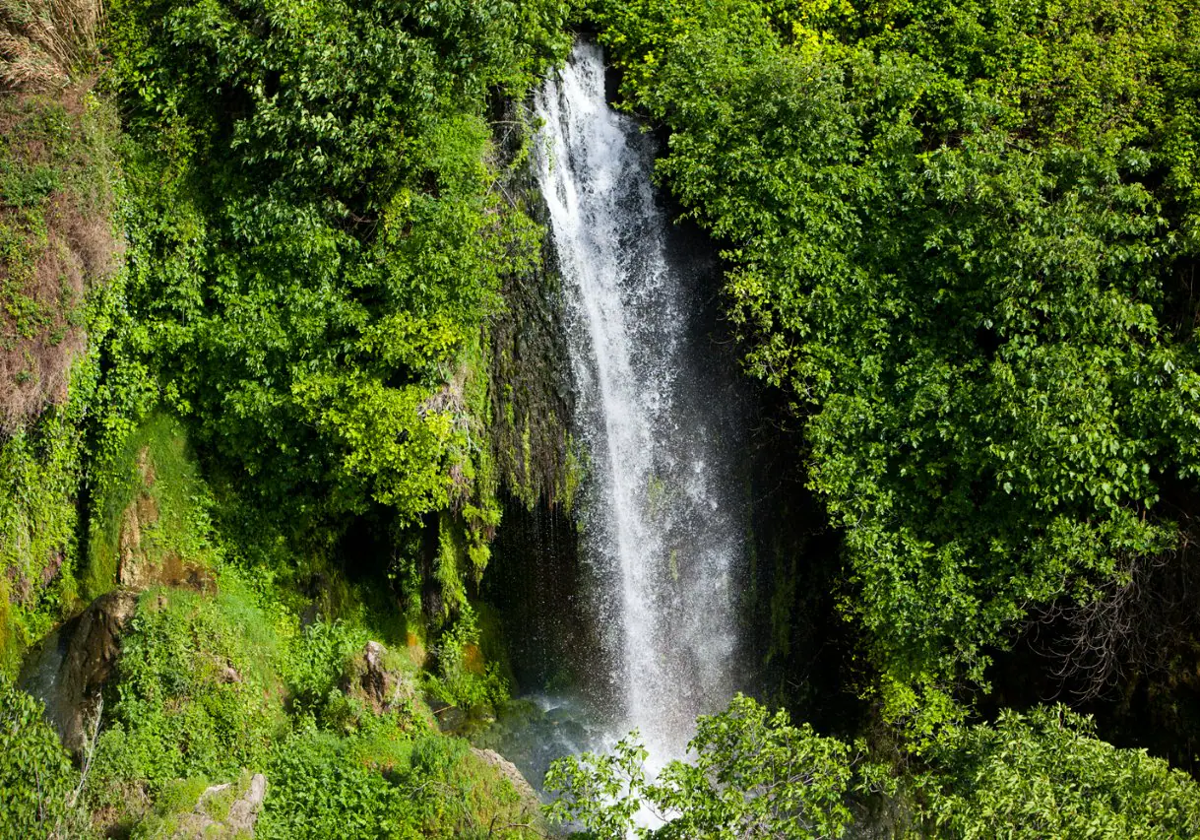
142, 564
76, 668
371, 680
215, 816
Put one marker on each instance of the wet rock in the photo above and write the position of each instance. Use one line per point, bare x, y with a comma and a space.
215, 816
532, 734
450, 718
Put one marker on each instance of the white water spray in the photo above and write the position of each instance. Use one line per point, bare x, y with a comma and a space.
663, 521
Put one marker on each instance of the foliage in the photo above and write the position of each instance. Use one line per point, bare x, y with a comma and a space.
1040, 774
36, 777
217, 683
210, 687
319, 790
317, 239
149, 483
955, 235
58, 176
316, 660
40, 471
379, 784
754, 775
464, 678
196, 694
57, 179
178, 800
1044, 774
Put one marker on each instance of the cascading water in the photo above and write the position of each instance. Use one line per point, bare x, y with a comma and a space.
658, 412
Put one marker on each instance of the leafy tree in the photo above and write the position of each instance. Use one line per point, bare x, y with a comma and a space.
754, 775
316, 237
955, 234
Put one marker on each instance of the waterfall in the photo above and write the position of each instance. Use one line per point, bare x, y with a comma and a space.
658, 412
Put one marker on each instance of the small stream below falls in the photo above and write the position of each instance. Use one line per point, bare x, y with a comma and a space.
661, 419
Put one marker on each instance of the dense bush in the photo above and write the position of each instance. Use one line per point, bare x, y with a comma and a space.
1045, 774
321, 789
464, 678
317, 236
197, 691
380, 783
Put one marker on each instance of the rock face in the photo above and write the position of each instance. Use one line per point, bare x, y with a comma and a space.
215, 816
70, 674
509, 771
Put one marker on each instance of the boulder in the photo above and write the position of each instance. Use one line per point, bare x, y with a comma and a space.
509, 771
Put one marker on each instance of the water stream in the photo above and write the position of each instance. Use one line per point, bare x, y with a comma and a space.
659, 414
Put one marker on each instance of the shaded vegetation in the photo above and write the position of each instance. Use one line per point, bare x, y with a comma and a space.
58, 177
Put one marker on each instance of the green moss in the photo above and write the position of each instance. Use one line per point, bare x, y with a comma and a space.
574, 469
492, 642
447, 570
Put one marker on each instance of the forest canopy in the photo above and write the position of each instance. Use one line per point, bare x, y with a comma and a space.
962, 237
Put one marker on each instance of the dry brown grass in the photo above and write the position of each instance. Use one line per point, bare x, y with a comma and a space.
42, 42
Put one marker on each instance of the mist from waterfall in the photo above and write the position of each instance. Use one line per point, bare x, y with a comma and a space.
663, 516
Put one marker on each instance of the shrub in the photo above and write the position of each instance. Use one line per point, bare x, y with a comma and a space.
36, 777
196, 692
1045, 774
464, 678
